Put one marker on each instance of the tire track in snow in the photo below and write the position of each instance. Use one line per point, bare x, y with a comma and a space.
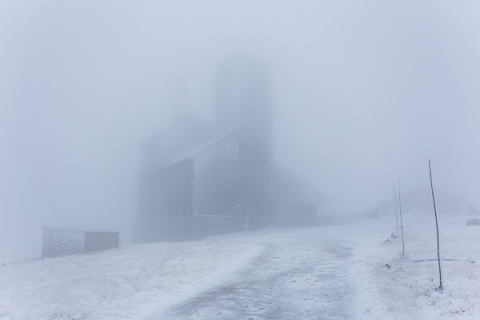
294, 280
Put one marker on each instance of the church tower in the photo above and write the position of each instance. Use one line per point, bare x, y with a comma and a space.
244, 102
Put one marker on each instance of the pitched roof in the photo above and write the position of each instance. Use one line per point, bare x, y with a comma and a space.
181, 136
199, 149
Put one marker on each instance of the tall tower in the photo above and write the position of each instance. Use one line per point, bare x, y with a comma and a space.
244, 102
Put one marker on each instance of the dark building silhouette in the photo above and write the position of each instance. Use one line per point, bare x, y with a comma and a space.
182, 135
244, 103
293, 202
198, 180
217, 187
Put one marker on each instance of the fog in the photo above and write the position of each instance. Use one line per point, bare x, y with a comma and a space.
363, 93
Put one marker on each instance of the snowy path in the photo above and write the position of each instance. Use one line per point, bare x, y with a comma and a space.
327, 272
304, 277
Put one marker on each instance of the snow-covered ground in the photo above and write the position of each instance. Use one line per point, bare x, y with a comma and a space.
127, 283
141, 281
407, 288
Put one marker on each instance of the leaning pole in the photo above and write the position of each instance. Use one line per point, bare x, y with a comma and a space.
436, 224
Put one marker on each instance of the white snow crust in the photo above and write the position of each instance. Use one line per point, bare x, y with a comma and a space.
136, 281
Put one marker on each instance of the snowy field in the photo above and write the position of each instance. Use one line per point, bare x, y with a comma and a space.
396, 288
361, 269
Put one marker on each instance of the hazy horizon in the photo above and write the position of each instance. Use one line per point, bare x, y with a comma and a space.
363, 94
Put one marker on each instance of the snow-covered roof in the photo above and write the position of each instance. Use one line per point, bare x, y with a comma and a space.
199, 149
179, 137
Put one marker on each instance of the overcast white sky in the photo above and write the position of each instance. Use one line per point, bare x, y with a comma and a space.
364, 92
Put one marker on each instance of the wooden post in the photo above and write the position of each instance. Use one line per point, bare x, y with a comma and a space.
401, 218
436, 224
394, 189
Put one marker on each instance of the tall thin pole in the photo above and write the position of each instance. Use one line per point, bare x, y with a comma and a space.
436, 224
394, 189
401, 218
